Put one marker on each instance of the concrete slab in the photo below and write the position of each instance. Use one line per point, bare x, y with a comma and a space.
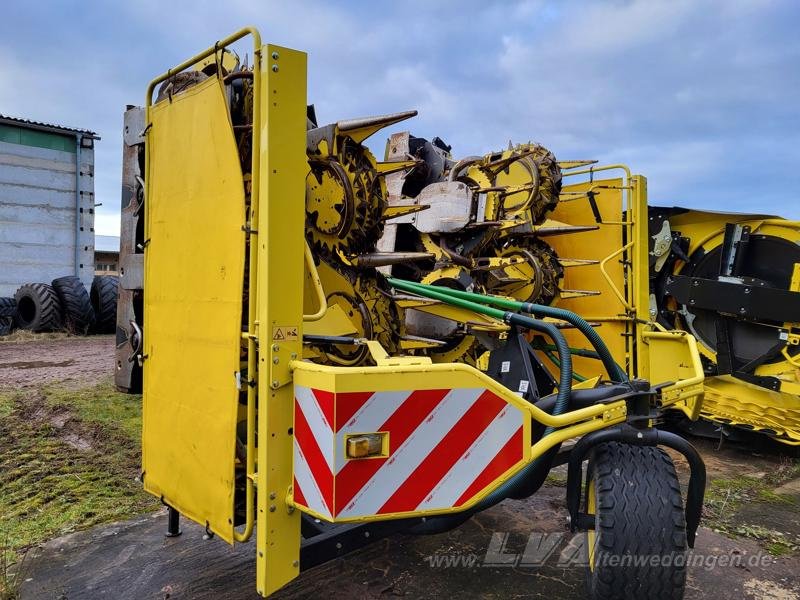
133, 560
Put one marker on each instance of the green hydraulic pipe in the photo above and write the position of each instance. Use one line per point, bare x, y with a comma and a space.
614, 370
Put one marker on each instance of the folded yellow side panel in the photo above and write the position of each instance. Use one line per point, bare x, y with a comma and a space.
194, 266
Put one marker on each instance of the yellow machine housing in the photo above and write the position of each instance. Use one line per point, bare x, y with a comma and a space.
233, 290
755, 383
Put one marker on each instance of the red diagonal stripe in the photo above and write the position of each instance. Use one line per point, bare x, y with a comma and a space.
400, 425
320, 470
446, 453
325, 402
298, 494
348, 404
509, 455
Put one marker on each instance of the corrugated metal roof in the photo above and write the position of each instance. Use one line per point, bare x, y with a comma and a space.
106, 243
47, 126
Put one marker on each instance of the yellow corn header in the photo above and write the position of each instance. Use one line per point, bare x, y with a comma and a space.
334, 348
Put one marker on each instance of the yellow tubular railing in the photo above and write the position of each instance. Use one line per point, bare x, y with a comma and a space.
312, 271
255, 171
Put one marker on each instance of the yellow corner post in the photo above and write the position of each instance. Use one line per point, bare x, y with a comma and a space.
281, 242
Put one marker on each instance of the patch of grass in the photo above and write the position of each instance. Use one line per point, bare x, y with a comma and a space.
69, 459
6, 404
725, 496
770, 496
102, 405
779, 549
12, 573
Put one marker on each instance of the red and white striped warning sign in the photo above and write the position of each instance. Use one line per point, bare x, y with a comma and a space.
445, 446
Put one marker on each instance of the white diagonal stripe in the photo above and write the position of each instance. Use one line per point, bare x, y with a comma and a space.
414, 450
309, 487
368, 419
474, 460
316, 421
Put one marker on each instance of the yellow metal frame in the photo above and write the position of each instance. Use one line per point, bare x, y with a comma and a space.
408, 374
650, 351
276, 295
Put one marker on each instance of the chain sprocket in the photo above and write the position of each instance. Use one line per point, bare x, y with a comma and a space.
345, 200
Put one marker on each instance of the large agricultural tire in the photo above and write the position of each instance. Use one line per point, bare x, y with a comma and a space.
105, 291
6, 325
38, 307
8, 307
638, 547
75, 304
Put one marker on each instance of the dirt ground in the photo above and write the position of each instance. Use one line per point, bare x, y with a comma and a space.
30, 363
749, 546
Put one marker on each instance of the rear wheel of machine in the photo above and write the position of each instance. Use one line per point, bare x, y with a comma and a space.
78, 311
38, 308
638, 546
104, 294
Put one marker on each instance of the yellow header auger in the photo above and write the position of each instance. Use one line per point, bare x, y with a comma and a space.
294, 392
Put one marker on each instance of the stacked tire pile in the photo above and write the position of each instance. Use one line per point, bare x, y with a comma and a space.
65, 304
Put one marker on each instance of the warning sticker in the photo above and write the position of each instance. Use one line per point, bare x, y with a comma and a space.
284, 333
505, 366
523, 385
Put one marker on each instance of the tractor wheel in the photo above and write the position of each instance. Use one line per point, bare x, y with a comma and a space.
105, 291
638, 546
38, 307
8, 307
78, 311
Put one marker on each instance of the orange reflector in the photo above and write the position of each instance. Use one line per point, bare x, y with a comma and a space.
366, 445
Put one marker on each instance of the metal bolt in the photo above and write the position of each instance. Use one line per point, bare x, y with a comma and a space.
275, 360
274, 68
275, 384
271, 508
743, 310
746, 290
275, 347
296, 564
338, 545
366, 534
639, 435
293, 355
691, 301
272, 495
275, 56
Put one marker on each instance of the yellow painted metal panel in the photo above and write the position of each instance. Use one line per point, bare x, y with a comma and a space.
594, 245
280, 272
450, 376
194, 264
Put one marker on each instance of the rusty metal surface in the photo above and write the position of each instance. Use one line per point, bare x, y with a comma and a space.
127, 373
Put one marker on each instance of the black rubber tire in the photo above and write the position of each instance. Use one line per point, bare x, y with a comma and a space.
38, 307
8, 307
639, 515
75, 304
6, 325
104, 295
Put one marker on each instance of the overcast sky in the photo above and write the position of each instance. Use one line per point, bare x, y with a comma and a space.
702, 97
